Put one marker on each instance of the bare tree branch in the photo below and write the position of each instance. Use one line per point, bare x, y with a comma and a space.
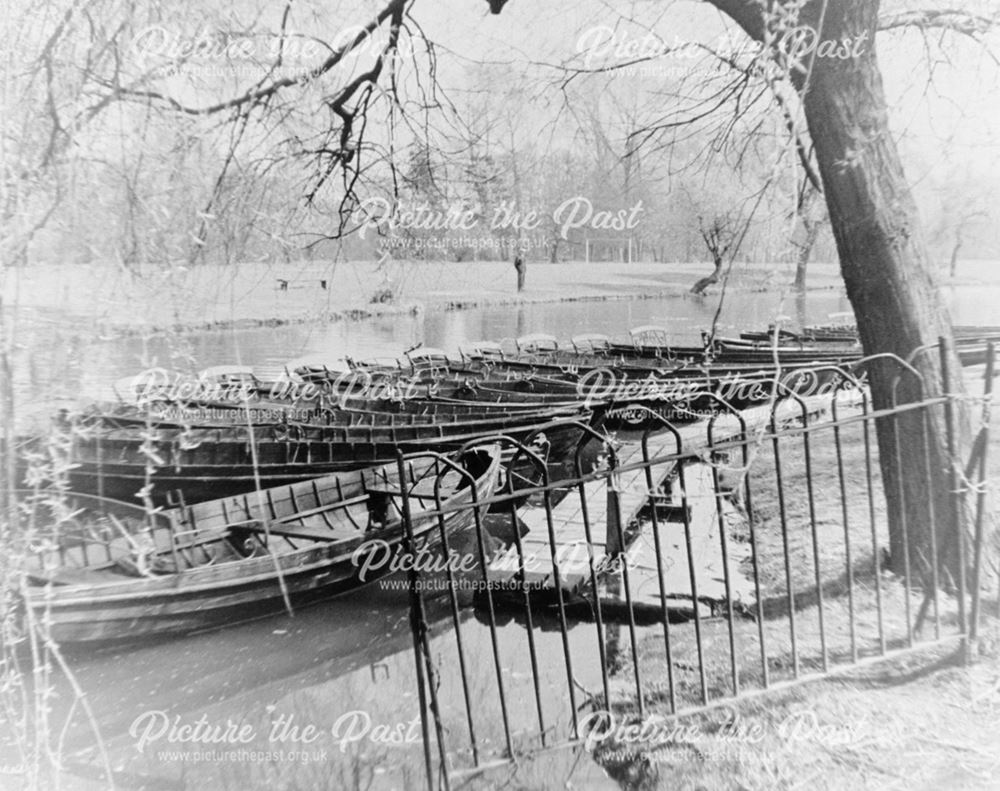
947, 19
393, 9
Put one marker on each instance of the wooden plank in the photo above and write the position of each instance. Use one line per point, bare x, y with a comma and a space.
634, 492
297, 527
74, 576
570, 530
709, 568
305, 532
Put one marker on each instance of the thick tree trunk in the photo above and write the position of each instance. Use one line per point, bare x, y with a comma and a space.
886, 267
883, 256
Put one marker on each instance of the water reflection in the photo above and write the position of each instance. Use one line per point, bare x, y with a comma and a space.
345, 667
319, 681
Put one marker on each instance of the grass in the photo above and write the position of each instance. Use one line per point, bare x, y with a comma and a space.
917, 722
909, 725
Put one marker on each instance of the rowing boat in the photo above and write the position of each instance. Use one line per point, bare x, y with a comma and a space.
120, 573
204, 462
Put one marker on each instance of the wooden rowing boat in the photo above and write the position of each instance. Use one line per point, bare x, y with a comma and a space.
346, 411
119, 573
204, 462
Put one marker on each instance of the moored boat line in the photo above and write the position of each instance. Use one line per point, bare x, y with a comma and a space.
312, 453
229, 431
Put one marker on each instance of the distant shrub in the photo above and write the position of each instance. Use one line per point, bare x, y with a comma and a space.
382, 296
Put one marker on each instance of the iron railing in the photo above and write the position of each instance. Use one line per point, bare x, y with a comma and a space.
707, 562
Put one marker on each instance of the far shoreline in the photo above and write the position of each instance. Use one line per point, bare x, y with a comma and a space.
111, 304
112, 332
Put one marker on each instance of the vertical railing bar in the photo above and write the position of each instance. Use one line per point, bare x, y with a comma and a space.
477, 519
929, 481
561, 600
685, 514
432, 682
904, 526
456, 619
417, 630
876, 555
633, 639
99, 453
724, 547
981, 494
494, 641
658, 549
755, 560
811, 495
529, 620
845, 515
783, 514
598, 616
956, 496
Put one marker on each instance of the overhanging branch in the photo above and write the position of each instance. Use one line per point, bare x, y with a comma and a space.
261, 93
947, 19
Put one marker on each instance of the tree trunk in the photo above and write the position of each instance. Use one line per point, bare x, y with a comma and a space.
812, 224
802, 262
705, 282
953, 264
884, 260
886, 267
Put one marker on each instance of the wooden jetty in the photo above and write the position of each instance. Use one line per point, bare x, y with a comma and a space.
560, 550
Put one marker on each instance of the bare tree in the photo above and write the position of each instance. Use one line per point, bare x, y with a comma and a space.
813, 217
719, 233
963, 217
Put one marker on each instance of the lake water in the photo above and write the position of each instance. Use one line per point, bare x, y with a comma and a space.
59, 365
346, 666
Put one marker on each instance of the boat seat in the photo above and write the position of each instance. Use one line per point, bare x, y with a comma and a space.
335, 506
285, 525
416, 493
280, 520
304, 532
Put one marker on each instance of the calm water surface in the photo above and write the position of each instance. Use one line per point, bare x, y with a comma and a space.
59, 365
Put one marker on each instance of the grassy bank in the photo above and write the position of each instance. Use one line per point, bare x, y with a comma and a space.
121, 301
922, 721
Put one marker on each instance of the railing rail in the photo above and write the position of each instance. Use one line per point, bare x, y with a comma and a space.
713, 564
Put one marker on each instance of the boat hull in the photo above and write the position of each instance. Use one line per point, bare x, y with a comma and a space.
209, 601
205, 464
122, 608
